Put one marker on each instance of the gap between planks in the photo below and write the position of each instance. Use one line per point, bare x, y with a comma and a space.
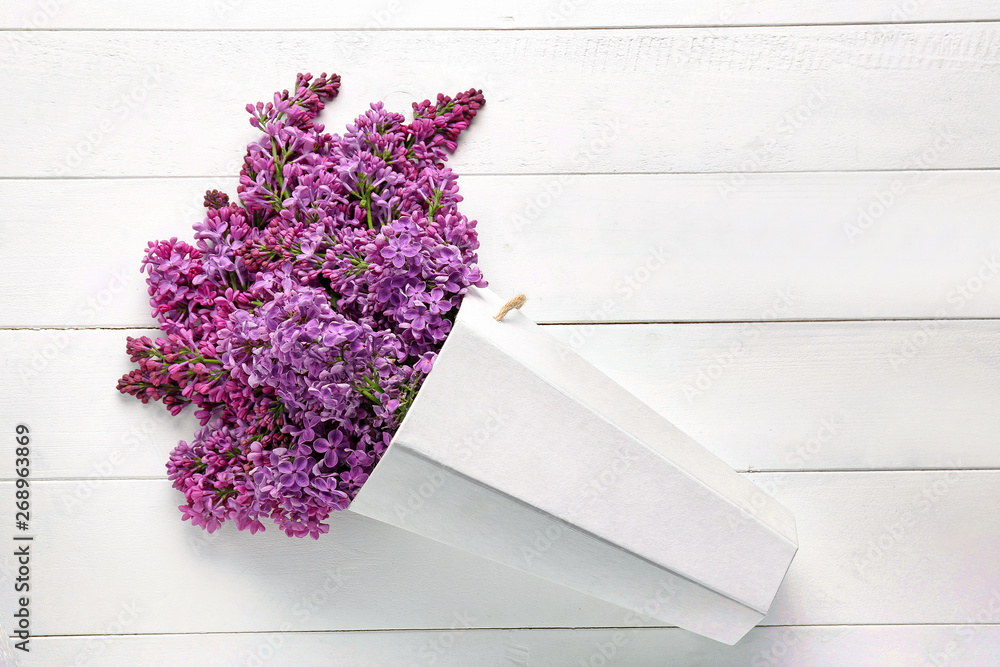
509, 629
741, 471
540, 28
540, 174
569, 323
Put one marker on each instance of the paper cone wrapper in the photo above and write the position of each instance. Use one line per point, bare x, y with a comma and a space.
518, 450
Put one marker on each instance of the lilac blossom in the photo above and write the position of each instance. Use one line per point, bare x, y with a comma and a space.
304, 318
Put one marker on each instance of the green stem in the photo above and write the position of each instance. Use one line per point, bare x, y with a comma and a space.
367, 394
434, 205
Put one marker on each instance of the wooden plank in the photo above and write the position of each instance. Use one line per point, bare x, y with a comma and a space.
826, 646
811, 395
871, 552
763, 247
888, 547
61, 384
123, 548
686, 100
788, 396
676, 248
518, 14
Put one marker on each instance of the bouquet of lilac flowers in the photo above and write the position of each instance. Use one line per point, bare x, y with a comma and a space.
305, 317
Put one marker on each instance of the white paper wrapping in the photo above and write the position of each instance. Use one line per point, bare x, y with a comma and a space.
518, 450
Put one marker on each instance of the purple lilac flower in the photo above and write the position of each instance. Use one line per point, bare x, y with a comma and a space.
304, 318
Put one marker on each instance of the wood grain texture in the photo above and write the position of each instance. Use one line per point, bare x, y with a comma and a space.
825, 646
447, 14
778, 396
658, 100
761, 247
875, 548
674, 247
805, 209
811, 395
65, 382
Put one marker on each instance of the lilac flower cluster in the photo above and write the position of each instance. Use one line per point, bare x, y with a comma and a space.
302, 322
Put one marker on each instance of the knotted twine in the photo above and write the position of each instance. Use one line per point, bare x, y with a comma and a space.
516, 302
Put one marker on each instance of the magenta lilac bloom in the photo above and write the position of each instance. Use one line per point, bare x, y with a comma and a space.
304, 318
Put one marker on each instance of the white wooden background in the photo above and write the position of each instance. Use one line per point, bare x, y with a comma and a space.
778, 223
